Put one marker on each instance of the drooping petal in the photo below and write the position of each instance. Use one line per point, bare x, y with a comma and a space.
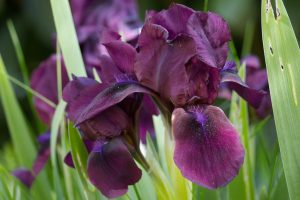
234, 82
78, 93
109, 97
43, 153
161, 64
44, 81
24, 175
256, 77
208, 150
112, 169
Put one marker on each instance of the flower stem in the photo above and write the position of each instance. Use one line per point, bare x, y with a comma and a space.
137, 192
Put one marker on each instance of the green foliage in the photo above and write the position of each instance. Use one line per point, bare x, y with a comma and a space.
282, 57
67, 37
18, 126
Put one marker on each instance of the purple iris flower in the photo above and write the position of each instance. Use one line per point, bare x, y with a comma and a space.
115, 15
107, 115
181, 57
27, 176
44, 81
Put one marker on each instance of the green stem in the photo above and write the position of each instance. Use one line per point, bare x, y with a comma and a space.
205, 7
137, 192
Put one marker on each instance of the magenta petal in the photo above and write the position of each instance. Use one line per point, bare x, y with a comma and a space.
24, 175
174, 19
108, 69
109, 97
68, 158
122, 54
161, 64
211, 34
44, 81
234, 82
112, 169
208, 150
78, 94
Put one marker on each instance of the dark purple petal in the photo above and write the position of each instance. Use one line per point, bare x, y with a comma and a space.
112, 169
44, 139
89, 147
119, 16
208, 150
69, 160
234, 82
41, 160
146, 125
203, 82
109, 97
211, 34
44, 81
209, 31
265, 107
107, 124
256, 77
43, 153
78, 93
122, 54
173, 19
161, 64
24, 175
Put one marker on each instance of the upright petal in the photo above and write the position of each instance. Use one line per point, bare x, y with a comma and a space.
161, 64
211, 34
174, 19
208, 150
123, 55
112, 169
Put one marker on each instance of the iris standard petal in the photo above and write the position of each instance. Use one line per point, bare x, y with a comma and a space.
208, 150
123, 55
161, 64
112, 169
211, 34
174, 19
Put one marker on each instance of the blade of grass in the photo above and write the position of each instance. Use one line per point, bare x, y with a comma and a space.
282, 57
55, 125
18, 50
239, 117
67, 37
19, 131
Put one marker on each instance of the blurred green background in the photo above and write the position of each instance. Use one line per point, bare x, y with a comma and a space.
35, 28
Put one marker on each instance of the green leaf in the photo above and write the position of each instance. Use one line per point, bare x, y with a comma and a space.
18, 128
282, 57
67, 37
58, 117
80, 156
